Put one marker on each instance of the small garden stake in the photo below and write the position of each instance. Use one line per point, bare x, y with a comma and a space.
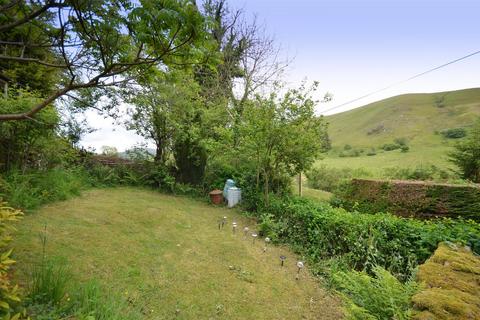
254, 236
224, 221
245, 232
267, 240
234, 227
282, 260
299, 266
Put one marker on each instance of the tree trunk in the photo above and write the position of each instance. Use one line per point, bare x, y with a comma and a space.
300, 184
267, 190
159, 154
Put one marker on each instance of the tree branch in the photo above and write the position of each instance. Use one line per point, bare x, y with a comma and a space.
35, 60
32, 15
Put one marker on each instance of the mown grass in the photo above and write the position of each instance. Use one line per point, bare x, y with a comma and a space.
166, 256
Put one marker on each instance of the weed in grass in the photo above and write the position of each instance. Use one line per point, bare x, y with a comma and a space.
48, 278
48, 282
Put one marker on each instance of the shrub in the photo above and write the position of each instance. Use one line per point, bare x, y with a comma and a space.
454, 133
217, 173
32, 189
439, 101
420, 172
466, 155
372, 152
347, 147
404, 148
380, 296
350, 153
390, 146
9, 295
363, 240
330, 179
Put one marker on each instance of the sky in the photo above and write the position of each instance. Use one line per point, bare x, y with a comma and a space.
355, 47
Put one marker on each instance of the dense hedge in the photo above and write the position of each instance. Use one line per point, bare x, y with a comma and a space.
412, 198
363, 240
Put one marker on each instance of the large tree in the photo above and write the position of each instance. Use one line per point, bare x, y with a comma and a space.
250, 59
281, 134
98, 44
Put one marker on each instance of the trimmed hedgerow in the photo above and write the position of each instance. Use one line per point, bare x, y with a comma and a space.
414, 198
362, 240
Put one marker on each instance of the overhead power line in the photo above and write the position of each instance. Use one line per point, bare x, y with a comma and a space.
403, 81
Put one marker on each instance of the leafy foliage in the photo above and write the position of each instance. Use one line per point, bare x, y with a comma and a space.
101, 40
31, 189
380, 296
9, 293
420, 172
363, 240
466, 155
390, 146
330, 179
455, 133
30, 143
282, 134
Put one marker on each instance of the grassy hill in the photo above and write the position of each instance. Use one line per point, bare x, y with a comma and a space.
417, 118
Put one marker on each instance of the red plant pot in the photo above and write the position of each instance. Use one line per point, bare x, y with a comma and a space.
216, 196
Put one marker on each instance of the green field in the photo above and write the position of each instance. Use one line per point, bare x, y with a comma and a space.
416, 117
166, 256
377, 164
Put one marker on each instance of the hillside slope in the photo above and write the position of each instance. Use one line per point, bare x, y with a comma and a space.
413, 116
416, 117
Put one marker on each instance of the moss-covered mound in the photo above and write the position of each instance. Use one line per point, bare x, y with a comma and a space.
452, 285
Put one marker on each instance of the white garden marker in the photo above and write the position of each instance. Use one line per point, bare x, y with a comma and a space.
254, 236
234, 227
300, 266
224, 221
245, 232
267, 241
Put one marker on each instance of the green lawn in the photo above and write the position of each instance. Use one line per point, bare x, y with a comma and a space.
165, 253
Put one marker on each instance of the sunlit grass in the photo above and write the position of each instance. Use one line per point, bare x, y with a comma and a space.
376, 165
166, 255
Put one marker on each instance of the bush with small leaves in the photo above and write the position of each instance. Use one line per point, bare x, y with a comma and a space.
10, 306
454, 133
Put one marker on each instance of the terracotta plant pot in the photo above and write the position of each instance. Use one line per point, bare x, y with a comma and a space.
216, 196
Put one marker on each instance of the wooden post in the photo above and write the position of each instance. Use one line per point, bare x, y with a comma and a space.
300, 184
